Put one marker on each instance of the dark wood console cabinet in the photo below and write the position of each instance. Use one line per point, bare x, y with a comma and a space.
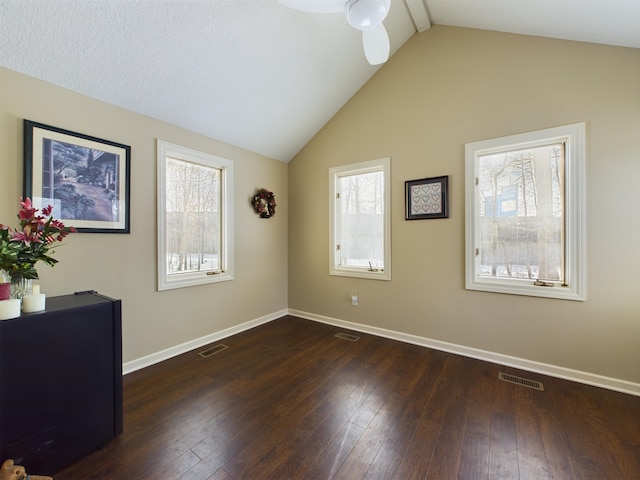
60, 381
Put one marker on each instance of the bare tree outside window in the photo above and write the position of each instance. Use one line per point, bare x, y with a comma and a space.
362, 220
195, 217
522, 213
359, 220
192, 217
525, 214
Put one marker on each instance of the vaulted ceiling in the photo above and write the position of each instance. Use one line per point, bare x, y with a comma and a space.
253, 73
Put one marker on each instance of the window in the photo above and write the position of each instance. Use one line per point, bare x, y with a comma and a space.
360, 222
195, 217
525, 214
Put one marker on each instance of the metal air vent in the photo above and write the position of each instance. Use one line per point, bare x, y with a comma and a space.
212, 351
346, 336
525, 382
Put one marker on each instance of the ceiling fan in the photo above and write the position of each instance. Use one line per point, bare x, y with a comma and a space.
365, 15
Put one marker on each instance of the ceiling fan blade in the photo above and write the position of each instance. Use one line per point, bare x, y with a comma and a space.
376, 44
314, 6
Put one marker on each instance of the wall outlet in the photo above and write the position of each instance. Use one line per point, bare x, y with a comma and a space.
354, 300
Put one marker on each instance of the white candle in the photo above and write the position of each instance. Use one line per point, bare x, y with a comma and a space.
35, 288
9, 308
33, 303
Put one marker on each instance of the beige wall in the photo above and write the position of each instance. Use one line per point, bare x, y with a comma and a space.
443, 88
124, 266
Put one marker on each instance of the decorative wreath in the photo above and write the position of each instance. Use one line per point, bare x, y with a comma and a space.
264, 203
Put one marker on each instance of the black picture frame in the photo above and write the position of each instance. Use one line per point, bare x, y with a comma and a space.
427, 198
86, 179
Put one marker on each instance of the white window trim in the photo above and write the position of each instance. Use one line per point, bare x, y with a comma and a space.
383, 164
167, 282
575, 214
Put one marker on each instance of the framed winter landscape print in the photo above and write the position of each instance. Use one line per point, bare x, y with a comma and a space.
85, 179
427, 198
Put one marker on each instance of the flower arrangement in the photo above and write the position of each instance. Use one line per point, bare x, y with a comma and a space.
32, 242
264, 203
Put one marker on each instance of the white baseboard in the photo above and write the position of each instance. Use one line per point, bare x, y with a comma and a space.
168, 353
500, 359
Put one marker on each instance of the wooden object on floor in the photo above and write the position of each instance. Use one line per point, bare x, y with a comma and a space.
289, 400
11, 471
60, 381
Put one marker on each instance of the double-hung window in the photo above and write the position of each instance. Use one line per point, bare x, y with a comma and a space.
360, 236
195, 217
525, 214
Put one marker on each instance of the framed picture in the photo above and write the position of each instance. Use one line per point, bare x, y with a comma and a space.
85, 179
427, 198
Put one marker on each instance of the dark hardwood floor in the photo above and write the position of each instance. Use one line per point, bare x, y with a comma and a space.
289, 400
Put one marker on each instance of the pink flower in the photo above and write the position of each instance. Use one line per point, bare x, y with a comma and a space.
26, 214
27, 211
57, 224
25, 238
32, 241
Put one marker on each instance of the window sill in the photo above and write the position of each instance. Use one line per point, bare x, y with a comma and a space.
526, 288
361, 273
193, 279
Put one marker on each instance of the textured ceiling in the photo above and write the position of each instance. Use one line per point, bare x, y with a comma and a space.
250, 72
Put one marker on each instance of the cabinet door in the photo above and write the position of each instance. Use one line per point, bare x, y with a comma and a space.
57, 380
